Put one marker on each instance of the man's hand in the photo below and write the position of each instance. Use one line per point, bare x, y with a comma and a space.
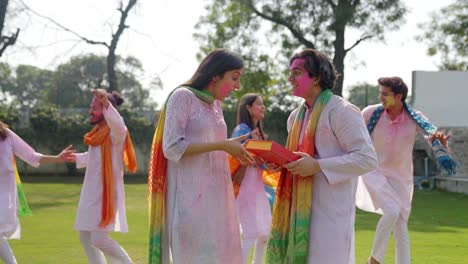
441, 137
101, 96
305, 166
67, 155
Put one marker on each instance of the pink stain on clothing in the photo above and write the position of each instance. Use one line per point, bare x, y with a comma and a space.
197, 200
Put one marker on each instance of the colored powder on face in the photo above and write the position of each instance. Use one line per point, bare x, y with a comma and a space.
389, 102
304, 81
96, 115
225, 90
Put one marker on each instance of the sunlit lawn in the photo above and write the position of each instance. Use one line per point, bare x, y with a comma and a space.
438, 226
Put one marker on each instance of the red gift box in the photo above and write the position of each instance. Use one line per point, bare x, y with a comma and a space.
271, 151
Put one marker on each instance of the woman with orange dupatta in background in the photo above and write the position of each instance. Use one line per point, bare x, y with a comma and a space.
252, 202
192, 211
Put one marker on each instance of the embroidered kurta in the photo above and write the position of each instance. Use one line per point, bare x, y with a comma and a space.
200, 212
344, 151
12, 145
88, 215
393, 141
252, 201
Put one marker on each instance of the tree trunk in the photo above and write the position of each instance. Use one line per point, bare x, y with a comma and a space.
3, 10
111, 57
338, 59
111, 75
5, 41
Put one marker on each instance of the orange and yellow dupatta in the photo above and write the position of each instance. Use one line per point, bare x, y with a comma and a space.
100, 136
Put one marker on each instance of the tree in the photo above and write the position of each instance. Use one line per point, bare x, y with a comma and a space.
320, 24
74, 79
5, 40
69, 85
129, 71
31, 85
364, 94
447, 36
7, 83
111, 59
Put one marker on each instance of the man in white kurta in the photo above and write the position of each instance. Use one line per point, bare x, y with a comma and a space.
344, 152
94, 238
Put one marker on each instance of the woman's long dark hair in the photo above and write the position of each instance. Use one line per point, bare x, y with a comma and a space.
3, 131
216, 63
243, 115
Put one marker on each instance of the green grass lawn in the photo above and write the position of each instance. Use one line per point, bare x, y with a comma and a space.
438, 226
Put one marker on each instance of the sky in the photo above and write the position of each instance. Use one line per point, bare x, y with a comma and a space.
161, 36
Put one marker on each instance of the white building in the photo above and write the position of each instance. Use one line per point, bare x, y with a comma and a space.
443, 98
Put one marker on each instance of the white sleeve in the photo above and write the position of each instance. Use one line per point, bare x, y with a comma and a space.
22, 150
116, 123
348, 126
177, 115
81, 160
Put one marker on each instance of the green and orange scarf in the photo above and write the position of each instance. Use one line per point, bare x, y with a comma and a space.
100, 136
157, 182
23, 207
289, 238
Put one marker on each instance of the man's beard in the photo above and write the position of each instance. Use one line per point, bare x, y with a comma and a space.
97, 121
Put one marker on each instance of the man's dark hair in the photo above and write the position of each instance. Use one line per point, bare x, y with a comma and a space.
396, 84
318, 65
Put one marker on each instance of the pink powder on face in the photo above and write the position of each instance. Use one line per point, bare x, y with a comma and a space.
303, 83
96, 112
225, 90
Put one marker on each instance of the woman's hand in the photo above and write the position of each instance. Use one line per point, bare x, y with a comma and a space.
305, 166
234, 148
67, 155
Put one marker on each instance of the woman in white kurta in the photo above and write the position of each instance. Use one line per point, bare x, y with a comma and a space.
94, 238
252, 201
202, 226
12, 145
